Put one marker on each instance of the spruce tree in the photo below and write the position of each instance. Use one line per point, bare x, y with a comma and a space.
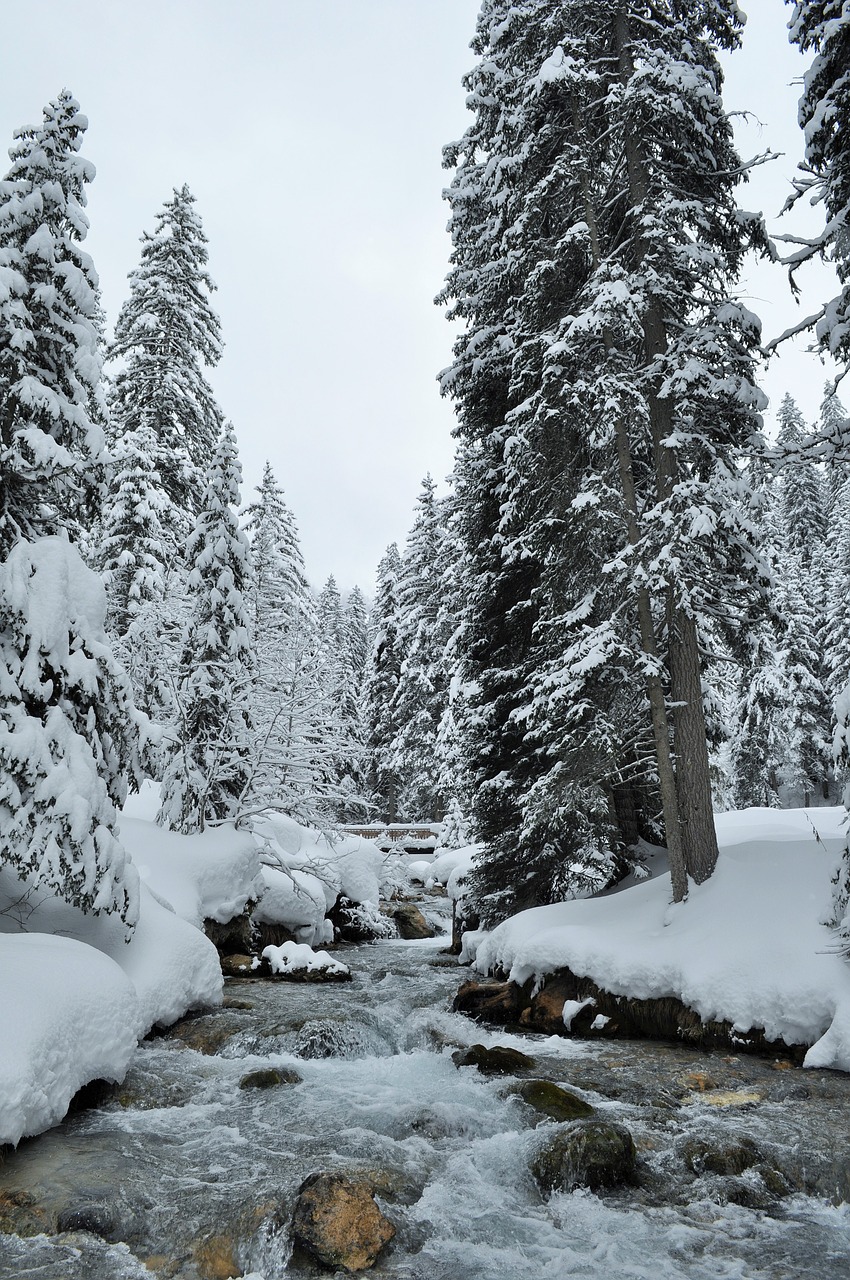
604, 390
383, 668
51, 439
822, 27
280, 594
167, 333
69, 734
133, 542
802, 535
209, 773
421, 695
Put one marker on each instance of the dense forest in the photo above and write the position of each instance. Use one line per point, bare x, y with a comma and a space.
629, 611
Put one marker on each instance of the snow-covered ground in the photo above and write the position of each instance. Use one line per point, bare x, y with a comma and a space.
752, 945
76, 996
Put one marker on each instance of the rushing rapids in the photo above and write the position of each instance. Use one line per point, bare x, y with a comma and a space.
192, 1168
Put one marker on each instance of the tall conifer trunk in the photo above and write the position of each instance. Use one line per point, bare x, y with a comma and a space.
693, 781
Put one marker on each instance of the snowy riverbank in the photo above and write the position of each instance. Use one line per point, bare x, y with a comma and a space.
751, 946
78, 992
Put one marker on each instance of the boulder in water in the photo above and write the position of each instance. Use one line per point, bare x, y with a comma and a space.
269, 1078
237, 966
498, 1061
410, 922
98, 1219
589, 1153
338, 1222
726, 1158
551, 1100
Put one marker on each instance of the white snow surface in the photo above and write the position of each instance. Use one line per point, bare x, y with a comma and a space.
70, 1015
211, 876
307, 872
450, 868
751, 945
75, 996
290, 957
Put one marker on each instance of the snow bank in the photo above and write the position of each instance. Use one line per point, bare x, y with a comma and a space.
70, 1015
211, 876
449, 868
296, 900
293, 957
310, 870
750, 946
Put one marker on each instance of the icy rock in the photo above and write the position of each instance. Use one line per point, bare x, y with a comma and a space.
299, 963
338, 1222
589, 1153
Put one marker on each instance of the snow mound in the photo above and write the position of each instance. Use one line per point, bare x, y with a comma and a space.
292, 957
751, 946
297, 900
210, 876
449, 869
308, 870
71, 1015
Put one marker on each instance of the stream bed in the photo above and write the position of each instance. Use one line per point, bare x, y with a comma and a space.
186, 1174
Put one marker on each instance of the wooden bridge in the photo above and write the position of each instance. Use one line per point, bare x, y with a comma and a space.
411, 837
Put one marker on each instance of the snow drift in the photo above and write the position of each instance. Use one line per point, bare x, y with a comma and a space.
751, 946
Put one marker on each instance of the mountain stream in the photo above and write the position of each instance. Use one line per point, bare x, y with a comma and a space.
180, 1172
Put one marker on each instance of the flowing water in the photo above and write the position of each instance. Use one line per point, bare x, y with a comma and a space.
186, 1172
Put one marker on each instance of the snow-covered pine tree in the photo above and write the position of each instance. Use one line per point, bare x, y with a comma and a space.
380, 683
356, 626
355, 657
823, 28
280, 594
167, 333
51, 439
209, 773
69, 733
596, 240
801, 520
134, 544
136, 554
421, 696
295, 744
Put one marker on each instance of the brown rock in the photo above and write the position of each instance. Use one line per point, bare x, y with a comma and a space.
337, 1221
237, 966
20, 1215
410, 922
215, 1258
498, 1061
498, 1002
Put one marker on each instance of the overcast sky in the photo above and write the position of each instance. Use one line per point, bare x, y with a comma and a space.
310, 132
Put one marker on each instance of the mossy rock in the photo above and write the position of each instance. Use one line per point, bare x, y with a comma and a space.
269, 1078
553, 1101
728, 1159
589, 1153
21, 1215
498, 1061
